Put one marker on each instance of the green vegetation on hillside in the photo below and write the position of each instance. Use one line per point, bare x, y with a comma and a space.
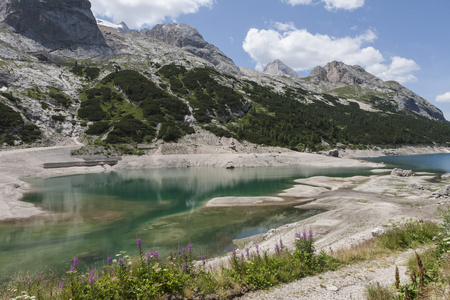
281, 120
245, 110
12, 127
134, 120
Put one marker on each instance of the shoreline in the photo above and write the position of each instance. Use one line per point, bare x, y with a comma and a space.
343, 199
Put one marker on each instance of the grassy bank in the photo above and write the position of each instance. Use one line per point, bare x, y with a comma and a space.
185, 274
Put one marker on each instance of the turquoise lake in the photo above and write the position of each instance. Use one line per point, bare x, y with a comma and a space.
96, 215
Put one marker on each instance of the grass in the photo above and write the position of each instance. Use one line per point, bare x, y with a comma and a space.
429, 272
186, 274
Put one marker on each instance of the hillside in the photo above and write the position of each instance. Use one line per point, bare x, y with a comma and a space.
132, 88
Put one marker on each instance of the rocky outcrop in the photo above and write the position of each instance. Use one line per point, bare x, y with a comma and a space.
55, 24
402, 173
337, 74
277, 67
189, 39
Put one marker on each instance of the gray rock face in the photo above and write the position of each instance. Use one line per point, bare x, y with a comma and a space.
277, 67
55, 24
337, 74
189, 39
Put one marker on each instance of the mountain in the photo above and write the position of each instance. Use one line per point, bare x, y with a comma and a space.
277, 67
55, 24
344, 80
115, 86
189, 39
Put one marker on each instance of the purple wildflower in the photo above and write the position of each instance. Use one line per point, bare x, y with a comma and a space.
298, 236
248, 252
61, 285
75, 261
281, 244
138, 243
71, 270
277, 249
203, 259
184, 267
310, 234
242, 257
155, 255
189, 248
120, 261
92, 276
304, 235
257, 247
109, 259
234, 253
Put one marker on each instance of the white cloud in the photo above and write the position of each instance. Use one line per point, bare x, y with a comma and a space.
297, 2
302, 50
443, 98
331, 4
137, 13
400, 70
343, 4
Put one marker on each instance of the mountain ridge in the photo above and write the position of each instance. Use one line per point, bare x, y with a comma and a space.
187, 85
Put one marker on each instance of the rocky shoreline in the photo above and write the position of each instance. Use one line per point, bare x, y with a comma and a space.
22, 163
353, 207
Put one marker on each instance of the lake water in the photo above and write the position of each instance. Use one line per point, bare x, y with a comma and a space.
439, 163
95, 215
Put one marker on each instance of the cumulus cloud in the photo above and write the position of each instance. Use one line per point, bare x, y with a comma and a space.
302, 50
137, 13
399, 70
330, 4
443, 98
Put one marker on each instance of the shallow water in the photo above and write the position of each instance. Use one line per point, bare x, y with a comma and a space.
95, 215
439, 163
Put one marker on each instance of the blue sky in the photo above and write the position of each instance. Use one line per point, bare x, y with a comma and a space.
403, 40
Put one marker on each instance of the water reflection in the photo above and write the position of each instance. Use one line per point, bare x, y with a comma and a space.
96, 214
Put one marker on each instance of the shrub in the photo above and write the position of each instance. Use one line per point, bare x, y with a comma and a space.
98, 128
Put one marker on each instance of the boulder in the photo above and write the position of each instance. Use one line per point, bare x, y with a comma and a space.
402, 173
377, 232
333, 153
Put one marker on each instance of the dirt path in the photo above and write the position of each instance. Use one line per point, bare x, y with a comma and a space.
346, 283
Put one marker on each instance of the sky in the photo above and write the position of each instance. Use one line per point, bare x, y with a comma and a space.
403, 40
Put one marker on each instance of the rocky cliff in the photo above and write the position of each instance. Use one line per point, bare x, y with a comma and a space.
175, 83
277, 67
55, 24
355, 82
189, 39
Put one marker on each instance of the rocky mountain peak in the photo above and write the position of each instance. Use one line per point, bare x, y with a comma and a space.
338, 72
277, 67
55, 24
189, 39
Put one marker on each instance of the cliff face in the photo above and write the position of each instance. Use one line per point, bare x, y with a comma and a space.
189, 39
55, 24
